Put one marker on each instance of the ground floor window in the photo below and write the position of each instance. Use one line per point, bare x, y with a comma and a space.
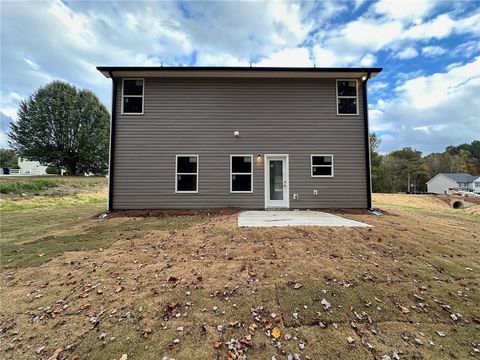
241, 173
186, 174
322, 165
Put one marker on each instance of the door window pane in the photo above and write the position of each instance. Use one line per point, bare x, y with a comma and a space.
276, 180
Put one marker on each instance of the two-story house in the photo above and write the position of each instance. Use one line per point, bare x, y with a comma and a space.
213, 137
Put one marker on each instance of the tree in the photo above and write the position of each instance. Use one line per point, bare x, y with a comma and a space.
8, 158
376, 163
62, 126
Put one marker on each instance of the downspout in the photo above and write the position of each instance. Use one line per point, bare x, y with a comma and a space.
112, 143
367, 143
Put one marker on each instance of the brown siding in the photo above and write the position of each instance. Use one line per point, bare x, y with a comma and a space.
274, 116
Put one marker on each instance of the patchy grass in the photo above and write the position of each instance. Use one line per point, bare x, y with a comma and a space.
98, 234
407, 286
42, 192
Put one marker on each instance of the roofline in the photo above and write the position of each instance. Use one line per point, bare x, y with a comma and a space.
449, 178
440, 174
108, 70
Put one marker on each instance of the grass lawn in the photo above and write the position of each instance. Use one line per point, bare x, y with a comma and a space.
198, 287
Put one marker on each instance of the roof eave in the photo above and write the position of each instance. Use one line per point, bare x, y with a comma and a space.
219, 71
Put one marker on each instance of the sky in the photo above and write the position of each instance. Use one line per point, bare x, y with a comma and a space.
427, 97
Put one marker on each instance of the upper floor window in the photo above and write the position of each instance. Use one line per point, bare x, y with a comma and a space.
186, 174
241, 173
132, 96
347, 97
322, 166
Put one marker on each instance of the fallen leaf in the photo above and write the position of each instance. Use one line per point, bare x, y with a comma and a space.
55, 354
217, 344
276, 332
326, 304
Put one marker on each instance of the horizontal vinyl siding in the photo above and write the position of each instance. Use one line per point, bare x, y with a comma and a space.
198, 116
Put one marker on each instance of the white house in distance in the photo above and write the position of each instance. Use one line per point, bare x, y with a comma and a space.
28, 167
442, 182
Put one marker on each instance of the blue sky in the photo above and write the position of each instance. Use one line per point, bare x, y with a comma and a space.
428, 96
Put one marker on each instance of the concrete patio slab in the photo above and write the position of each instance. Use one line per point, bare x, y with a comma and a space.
294, 218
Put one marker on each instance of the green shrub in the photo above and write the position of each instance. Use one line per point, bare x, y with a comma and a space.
53, 170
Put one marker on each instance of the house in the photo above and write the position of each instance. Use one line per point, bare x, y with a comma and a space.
27, 167
214, 137
442, 182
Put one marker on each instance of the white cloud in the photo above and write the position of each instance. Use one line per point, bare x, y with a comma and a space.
428, 111
376, 86
298, 57
406, 9
368, 60
432, 51
214, 59
324, 57
9, 103
372, 34
407, 53
443, 26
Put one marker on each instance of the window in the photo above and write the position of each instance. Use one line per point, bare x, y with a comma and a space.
477, 184
241, 173
186, 174
132, 96
347, 97
322, 165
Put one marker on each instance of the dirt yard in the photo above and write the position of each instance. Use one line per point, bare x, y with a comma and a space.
198, 287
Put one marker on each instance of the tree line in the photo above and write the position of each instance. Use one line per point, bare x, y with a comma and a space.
407, 170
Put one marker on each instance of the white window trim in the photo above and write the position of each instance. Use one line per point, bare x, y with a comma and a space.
346, 97
142, 96
176, 173
250, 173
311, 166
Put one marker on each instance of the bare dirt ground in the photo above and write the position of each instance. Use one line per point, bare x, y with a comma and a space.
407, 288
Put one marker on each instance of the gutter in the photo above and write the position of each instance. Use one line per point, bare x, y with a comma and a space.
367, 143
111, 162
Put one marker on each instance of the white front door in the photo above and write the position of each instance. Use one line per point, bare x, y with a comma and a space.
276, 181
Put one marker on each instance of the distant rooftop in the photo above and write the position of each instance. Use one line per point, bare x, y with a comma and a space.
461, 177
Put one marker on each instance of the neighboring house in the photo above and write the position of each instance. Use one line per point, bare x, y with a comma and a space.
442, 182
28, 167
213, 137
